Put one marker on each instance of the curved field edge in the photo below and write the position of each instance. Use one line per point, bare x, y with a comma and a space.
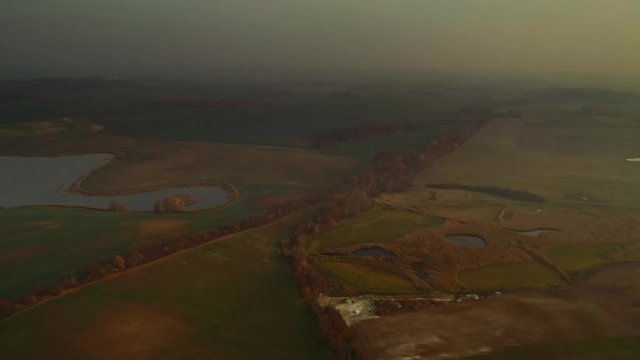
118, 157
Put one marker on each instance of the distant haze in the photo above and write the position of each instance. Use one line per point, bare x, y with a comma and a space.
213, 37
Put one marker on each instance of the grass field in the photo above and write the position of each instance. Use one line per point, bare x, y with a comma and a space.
576, 162
368, 279
238, 164
41, 246
581, 257
556, 154
375, 226
520, 275
228, 300
235, 298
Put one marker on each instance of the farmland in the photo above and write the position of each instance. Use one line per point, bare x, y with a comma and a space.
552, 198
330, 180
556, 154
232, 298
70, 122
368, 279
556, 157
545, 192
238, 164
509, 276
42, 246
376, 226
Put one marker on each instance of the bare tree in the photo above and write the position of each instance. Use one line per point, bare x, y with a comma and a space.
118, 263
116, 205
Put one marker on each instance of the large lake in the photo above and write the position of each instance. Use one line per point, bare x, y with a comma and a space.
45, 180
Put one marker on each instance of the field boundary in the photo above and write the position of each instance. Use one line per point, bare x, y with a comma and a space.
145, 265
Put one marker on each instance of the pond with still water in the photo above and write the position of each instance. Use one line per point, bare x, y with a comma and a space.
468, 240
45, 180
534, 233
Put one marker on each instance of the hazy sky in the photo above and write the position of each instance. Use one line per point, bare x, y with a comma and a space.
125, 37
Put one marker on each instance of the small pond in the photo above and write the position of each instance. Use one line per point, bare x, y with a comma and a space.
45, 180
418, 270
468, 240
372, 252
534, 233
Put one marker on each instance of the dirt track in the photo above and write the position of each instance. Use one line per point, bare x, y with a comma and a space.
607, 305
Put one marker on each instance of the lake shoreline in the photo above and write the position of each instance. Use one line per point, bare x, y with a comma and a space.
76, 187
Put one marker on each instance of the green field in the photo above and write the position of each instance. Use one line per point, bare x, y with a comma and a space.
520, 275
581, 257
365, 278
561, 156
234, 297
42, 246
375, 226
230, 299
